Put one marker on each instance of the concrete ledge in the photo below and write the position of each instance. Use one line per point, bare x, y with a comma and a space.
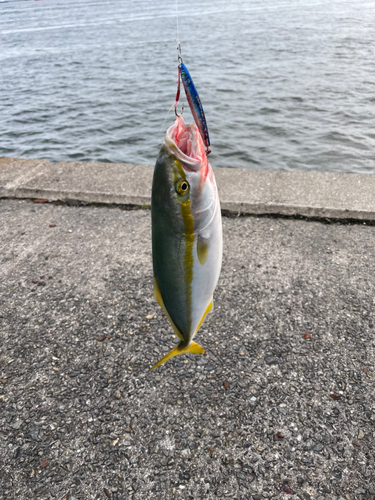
310, 194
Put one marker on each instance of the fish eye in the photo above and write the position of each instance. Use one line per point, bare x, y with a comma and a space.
182, 187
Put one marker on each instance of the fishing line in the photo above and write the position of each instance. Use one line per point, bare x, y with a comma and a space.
165, 119
178, 33
179, 56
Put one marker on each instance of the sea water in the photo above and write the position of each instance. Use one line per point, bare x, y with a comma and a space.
285, 84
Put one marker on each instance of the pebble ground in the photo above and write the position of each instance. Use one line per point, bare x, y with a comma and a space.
282, 406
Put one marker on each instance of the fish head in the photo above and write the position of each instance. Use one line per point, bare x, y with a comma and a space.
191, 184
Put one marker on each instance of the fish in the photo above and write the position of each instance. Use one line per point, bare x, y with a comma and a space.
186, 234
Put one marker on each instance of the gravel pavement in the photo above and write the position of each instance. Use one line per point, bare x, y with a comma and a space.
282, 406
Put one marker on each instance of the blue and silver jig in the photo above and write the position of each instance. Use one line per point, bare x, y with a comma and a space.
193, 100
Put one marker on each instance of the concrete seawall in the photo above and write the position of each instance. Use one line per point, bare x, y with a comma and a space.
309, 194
282, 404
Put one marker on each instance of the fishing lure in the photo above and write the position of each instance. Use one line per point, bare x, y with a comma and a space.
193, 99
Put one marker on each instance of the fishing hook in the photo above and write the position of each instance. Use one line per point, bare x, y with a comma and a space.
175, 110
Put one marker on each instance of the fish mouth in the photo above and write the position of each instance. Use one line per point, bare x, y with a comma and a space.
186, 143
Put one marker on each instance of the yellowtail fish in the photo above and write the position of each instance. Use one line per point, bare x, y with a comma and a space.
186, 234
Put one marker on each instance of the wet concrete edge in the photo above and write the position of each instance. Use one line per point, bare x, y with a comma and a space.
313, 195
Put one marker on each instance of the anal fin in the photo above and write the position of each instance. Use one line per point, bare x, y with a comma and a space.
209, 307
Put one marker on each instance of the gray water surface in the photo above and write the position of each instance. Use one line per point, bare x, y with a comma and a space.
285, 84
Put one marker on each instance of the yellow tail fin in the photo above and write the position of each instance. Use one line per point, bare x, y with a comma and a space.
181, 348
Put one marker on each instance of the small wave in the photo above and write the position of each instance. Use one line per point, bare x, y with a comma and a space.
274, 131
269, 111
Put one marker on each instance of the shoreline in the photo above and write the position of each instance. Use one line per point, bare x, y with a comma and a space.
248, 192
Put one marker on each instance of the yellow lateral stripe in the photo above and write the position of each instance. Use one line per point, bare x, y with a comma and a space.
189, 244
188, 260
160, 300
181, 348
189, 247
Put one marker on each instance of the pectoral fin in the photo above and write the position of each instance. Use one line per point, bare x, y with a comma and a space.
181, 348
160, 300
203, 246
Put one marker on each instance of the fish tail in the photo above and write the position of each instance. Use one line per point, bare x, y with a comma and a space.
181, 348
